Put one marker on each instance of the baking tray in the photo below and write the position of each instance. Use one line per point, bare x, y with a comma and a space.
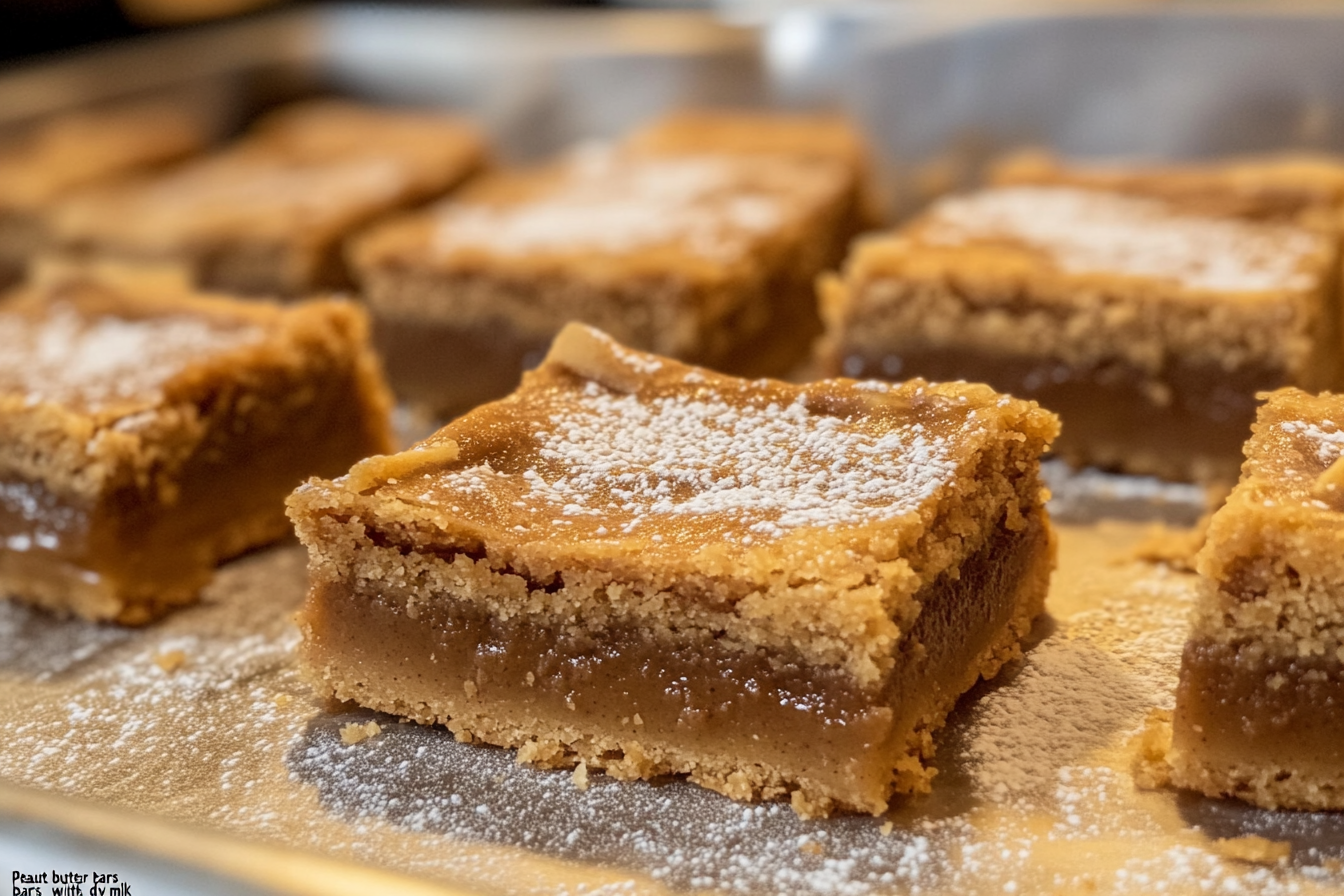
228, 764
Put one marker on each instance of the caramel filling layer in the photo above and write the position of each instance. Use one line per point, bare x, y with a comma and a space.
1237, 707
507, 681
135, 547
1196, 419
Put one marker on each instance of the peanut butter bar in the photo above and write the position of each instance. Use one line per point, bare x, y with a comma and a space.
146, 434
1260, 705
1149, 327
48, 161
706, 258
269, 214
650, 568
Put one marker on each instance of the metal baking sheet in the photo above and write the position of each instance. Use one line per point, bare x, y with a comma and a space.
1034, 792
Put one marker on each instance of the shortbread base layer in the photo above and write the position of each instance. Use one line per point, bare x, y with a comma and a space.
1267, 730
751, 725
1188, 423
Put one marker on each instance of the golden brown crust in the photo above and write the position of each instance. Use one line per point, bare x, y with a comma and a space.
613, 216
1305, 187
1077, 296
1273, 551
753, 132
1262, 666
128, 403
1000, 294
618, 713
832, 138
75, 448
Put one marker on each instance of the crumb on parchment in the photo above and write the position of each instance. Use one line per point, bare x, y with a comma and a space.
1257, 850
354, 732
170, 660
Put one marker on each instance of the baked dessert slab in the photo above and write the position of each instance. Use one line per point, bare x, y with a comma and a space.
706, 258
268, 215
1260, 705
653, 569
1147, 326
53, 158
147, 433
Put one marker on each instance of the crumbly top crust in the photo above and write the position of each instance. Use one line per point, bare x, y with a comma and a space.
79, 149
685, 213
1286, 185
606, 451
63, 352
302, 173
1297, 439
102, 375
1084, 232
1275, 551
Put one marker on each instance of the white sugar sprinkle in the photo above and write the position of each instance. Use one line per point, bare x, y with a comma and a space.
1086, 231
1329, 438
769, 469
621, 205
67, 358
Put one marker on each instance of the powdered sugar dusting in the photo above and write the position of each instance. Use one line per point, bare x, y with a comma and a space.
618, 205
1329, 438
1085, 231
254, 192
69, 358
1093, 679
763, 468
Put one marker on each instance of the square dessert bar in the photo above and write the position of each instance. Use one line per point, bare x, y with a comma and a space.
706, 258
55, 157
1149, 327
1260, 704
268, 215
147, 434
650, 568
